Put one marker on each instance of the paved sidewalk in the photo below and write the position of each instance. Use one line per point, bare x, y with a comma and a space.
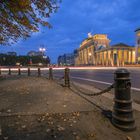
34, 108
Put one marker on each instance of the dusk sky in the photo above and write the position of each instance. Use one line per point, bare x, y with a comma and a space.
76, 18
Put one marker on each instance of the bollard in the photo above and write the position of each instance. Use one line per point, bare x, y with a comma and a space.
122, 115
39, 72
0, 71
50, 74
19, 72
29, 72
66, 78
9, 72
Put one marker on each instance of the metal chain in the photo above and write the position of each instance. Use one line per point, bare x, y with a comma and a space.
93, 94
59, 79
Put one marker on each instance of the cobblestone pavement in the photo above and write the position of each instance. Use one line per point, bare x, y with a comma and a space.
33, 108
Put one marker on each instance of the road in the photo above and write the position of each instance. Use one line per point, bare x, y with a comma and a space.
103, 77
91, 75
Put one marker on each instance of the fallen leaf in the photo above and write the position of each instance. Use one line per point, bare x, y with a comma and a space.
74, 133
128, 138
60, 128
91, 135
47, 114
9, 111
48, 130
49, 118
17, 123
23, 126
5, 138
71, 125
51, 123
78, 114
77, 138
65, 120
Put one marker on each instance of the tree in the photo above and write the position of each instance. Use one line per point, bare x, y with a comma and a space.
8, 60
19, 18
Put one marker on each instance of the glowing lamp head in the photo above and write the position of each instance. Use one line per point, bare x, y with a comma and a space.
89, 54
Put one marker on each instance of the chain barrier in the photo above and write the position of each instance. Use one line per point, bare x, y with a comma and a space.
58, 79
93, 94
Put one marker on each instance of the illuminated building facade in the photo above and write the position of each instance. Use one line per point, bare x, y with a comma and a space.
138, 45
96, 50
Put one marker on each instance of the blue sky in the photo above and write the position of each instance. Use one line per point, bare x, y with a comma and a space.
75, 18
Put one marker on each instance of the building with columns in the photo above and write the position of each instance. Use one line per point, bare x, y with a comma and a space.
137, 45
96, 50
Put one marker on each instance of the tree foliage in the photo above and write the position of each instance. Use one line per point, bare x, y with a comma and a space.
9, 60
19, 18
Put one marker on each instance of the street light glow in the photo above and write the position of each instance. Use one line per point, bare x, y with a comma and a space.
42, 49
89, 54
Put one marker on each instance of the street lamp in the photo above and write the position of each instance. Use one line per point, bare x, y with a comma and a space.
42, 50
89, 54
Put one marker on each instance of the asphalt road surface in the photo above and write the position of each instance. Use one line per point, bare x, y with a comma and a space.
103, 77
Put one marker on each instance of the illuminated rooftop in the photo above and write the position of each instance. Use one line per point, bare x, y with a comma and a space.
94, 37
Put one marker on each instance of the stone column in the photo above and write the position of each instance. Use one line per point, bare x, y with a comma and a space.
82, 56
112, 58
107, 58
117, 57
86, 57
122, 57
131, 56
92, 55
103, 58
128, 56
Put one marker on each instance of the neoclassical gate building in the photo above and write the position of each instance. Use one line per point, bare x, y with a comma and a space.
96, 50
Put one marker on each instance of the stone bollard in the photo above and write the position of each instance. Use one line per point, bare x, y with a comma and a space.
122, 115
66, 77
19, 72
9, 73
29, 72
50, 74
39, 72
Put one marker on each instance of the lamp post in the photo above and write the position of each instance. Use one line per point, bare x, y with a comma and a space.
42, 53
